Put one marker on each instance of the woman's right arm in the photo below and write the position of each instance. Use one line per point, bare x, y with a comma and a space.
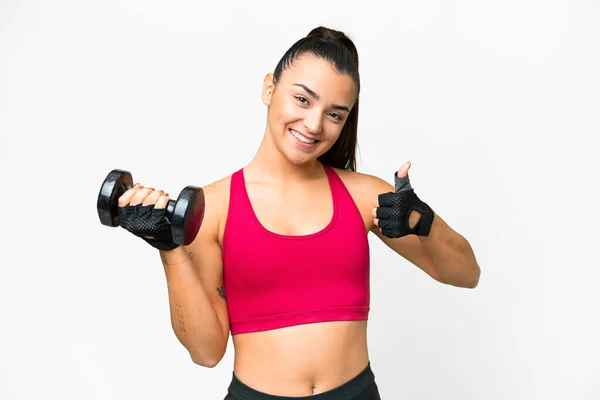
194, 275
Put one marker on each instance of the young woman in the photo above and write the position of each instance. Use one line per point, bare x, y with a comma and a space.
282, 258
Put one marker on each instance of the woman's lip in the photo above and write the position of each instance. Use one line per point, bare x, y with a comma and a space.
306, 136
300, 143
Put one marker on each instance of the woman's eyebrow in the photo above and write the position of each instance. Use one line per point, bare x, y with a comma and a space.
316, 96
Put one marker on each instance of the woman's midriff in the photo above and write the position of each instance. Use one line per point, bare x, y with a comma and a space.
301, 360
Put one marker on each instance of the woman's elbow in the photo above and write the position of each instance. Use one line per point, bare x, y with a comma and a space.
208, 362
467, 280
473, 279
208, 358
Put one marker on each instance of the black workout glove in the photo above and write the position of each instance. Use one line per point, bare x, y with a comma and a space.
147, 221
395, 208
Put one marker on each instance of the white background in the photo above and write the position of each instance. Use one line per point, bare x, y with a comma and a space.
495, 104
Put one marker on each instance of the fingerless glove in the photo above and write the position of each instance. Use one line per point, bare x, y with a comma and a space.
148, 223
395, 208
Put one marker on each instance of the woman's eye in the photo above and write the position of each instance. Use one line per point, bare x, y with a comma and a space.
336, 116
302, 100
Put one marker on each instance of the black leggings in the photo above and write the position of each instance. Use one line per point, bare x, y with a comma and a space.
361, 387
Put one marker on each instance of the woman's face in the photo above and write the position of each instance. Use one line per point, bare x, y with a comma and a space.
308, 108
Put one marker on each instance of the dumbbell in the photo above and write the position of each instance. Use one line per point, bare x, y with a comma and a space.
185, 214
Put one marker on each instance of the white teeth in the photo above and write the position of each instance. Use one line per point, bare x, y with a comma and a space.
302, 138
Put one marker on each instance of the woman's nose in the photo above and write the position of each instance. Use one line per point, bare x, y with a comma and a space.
312, 122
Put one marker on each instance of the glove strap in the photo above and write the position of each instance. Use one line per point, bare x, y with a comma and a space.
423, 226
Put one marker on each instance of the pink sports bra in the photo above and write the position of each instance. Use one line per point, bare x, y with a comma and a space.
273, 281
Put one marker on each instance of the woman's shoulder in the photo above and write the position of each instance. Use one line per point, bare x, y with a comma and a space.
217, 192
362, 182
364, 188
216, 201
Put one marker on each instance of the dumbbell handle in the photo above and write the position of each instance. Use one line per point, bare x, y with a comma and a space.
170, 209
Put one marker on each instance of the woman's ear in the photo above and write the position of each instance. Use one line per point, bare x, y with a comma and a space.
268, 88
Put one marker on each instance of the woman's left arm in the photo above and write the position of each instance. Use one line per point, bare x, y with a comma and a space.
443, 253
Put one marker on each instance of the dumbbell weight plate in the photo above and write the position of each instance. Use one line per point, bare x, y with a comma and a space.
186, 214
116, 183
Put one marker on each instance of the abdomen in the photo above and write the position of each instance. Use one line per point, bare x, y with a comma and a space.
301, 360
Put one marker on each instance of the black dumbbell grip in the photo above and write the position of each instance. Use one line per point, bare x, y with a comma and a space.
170, 209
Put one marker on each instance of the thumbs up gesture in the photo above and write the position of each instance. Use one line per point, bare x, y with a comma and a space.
394, 210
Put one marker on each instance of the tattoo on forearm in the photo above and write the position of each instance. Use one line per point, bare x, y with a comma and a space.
221, 291
179, 312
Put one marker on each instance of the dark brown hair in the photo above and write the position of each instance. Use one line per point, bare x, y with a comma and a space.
337, 48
